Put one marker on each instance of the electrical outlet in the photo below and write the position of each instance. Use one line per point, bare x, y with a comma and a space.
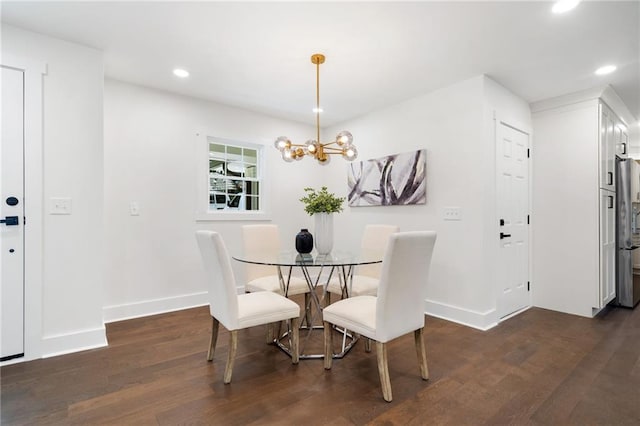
60, 206
451, 213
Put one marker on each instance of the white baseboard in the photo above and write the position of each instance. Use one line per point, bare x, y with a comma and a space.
77, 341
479, 320
153, 307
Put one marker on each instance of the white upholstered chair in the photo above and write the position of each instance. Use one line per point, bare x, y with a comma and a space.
234, 311
261, 238
397, 310
366, 277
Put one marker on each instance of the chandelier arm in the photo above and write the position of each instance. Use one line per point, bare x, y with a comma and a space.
330, 143
332, 150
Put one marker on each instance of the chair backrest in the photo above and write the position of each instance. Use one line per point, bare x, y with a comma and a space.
223, 299
403, 284
258, 239
374, 240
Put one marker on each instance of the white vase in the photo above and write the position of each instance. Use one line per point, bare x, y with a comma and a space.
323, 236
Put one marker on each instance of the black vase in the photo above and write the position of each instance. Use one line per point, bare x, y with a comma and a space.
304, 241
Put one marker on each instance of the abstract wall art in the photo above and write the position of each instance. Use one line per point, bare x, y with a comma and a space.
399, 179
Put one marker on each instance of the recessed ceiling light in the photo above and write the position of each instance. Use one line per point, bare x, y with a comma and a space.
563, 6
607, 69
318, 110
181, 73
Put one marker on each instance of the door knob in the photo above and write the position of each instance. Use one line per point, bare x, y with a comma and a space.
503, 235
10, 220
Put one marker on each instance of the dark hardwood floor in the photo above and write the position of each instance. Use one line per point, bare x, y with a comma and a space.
540, 367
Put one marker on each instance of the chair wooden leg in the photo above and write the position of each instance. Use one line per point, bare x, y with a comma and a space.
270, 330
215, 325
295, 341
383, 370
367, 344
328, 346
233, 347
422, 354
327, 299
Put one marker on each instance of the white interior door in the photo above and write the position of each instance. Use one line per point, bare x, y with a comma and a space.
12, 214
512, 192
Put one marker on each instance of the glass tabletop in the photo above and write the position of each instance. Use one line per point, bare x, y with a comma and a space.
292, 258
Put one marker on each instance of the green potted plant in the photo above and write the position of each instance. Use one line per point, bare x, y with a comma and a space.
322, 204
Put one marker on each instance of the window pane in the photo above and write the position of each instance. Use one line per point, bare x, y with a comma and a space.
217, 201
217, 167
235, 169
235, 186
250, 156
253, 203
252, 188
234, 153
219, 185
216, 150
251, 171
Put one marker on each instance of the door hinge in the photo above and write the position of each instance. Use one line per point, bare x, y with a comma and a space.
528, 152
527, 219
528, 286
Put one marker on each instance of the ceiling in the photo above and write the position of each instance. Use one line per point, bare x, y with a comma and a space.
256, 56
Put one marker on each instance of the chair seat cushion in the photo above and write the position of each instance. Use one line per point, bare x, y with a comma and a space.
271, 283
357, 314
264, 307
362, 286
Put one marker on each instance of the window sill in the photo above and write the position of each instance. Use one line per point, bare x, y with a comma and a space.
215, 216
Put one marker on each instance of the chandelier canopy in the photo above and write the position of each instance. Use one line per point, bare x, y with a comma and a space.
342, 145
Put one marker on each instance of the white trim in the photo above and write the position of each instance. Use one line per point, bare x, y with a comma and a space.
606, 93
513, 314
203, 214
478, 320
210, 216
81, 340
154, 306
33, 193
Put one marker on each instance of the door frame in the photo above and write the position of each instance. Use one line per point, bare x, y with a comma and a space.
502, 118
34, 73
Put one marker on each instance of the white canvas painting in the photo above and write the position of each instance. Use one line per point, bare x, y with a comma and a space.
399, 179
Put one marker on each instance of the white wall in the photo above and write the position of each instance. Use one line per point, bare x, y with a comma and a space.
150, 157
73, 244
455, 125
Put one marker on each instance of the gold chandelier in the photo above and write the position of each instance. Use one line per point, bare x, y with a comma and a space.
343, 144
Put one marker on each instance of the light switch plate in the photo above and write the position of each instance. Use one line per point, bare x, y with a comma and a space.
60, 206
451, 213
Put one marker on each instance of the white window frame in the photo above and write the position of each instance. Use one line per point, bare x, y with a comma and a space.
203, 213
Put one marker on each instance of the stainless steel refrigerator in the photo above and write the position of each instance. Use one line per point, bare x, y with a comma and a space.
627, 233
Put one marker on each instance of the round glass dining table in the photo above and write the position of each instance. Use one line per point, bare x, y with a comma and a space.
336, 263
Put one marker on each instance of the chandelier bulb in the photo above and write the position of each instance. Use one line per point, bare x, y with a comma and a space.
344, 138
311, 146
281, 143
350, 153
287, 155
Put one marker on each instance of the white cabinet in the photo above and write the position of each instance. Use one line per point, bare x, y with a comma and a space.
608, 147
607, 287
574, 144
622, 139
